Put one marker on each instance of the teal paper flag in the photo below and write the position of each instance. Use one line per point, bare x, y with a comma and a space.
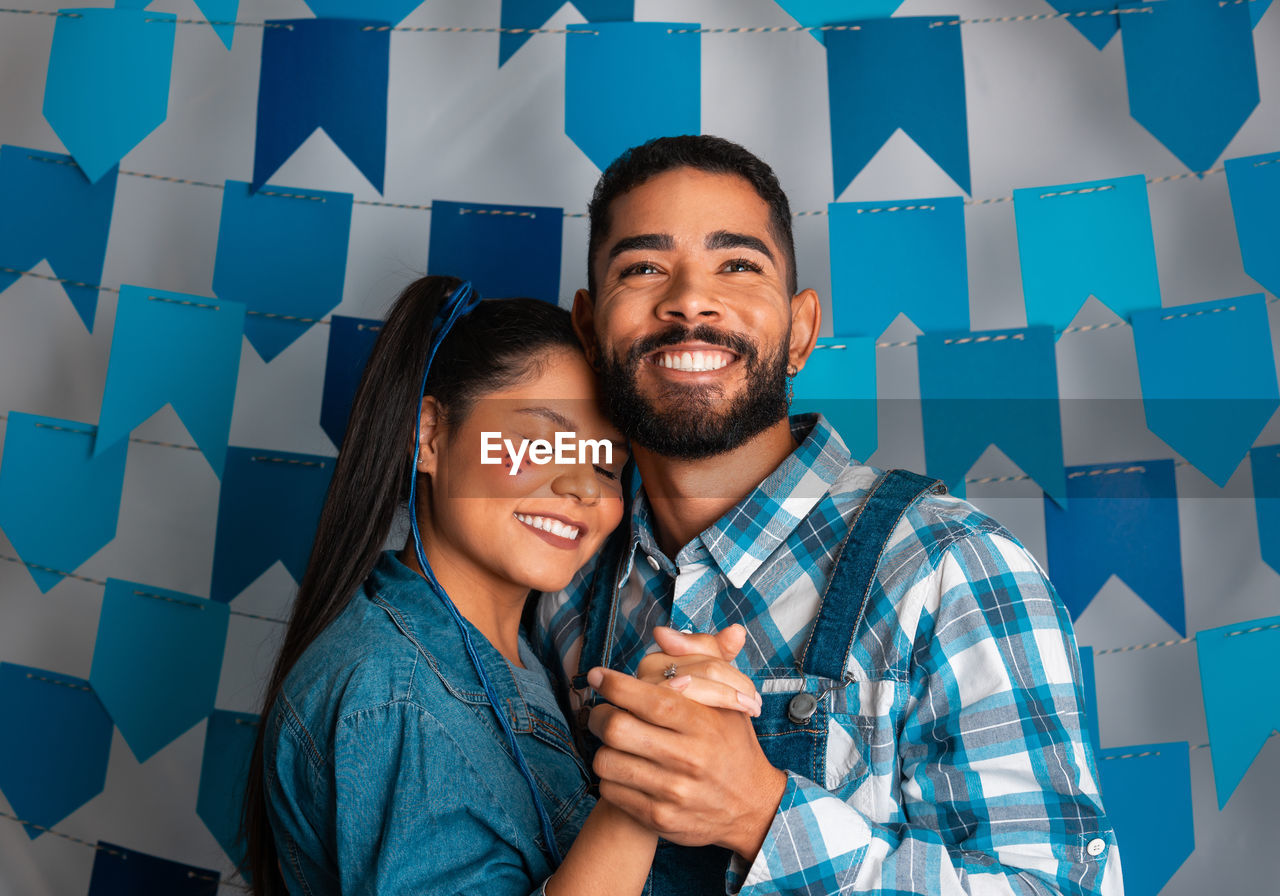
814, 14
839, 381
464, 237
1095, 19
58, 501
1265, 461
1255, 201
1089, 683
224, 774
1147, 791
1240, 718
519, 17
178, 349
1208, 379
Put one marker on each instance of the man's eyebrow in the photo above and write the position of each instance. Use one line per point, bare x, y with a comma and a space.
560, 420
654, 242
725, 239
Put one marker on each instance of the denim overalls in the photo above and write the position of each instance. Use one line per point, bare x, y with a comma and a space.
792, 727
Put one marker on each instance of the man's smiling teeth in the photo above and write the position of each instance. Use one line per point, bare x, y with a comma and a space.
546, 524
694, 361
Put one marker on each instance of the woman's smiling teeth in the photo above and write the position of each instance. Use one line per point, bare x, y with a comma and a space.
546, 524
693, 361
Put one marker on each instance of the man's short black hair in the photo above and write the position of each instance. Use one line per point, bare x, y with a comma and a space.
714, 155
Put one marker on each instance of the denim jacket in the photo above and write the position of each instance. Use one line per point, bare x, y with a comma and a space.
386, 770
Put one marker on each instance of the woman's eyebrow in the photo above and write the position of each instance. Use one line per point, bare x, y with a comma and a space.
561, 421
727, 239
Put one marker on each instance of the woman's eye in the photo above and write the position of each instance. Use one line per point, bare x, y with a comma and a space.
607, 473
741, 266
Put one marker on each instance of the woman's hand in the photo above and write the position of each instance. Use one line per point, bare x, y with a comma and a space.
704, 670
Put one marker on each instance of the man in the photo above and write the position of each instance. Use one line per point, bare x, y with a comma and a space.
921, 729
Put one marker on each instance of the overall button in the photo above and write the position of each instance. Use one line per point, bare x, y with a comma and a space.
1097, 846
801, 708
652, 562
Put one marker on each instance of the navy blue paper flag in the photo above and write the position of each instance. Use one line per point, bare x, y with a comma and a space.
1191, 73
463, 237
156, 662
1122, 520
1240, 719
390, 11
118, 871
996, 387
533, 14
1147, 788
351, 342
323, 73
267, 511
897, 73
1091, 18
839, 380
814, 14
1255, 197
1265, 461
54, 744
614, 59
1208, 379
58, 501
177, 349
224, 771
282, 251
50, 211
99, 107
903, 257
1086, 239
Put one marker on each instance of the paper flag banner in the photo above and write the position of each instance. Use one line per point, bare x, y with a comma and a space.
611, 59
351, 342
898, 257
58, 502
282, 251
156, 662
107, 85
54, 744
533, 14
118, 871
996, 387
1089, 684
220, 13
1256, 10
1084, 15
1208, 379
1255, 195
897, 73
813, 14
1086, 239
268, 510
178, 349
50, 211
1191, 74
391, 11
463, 237
1122, 520
1147, 791
1265, 461
1240, 718
323, 73
839, 381
224, 773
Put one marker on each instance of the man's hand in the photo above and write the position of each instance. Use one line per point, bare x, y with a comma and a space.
694, 774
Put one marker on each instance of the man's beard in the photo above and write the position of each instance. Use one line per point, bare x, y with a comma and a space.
694, 421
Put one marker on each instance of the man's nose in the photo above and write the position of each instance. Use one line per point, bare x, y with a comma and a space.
689, 298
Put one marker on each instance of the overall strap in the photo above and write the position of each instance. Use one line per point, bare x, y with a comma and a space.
598, 615
853, 575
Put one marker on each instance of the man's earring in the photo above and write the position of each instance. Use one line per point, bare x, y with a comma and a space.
792, 370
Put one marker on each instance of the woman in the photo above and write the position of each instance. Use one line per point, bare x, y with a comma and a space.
381, 764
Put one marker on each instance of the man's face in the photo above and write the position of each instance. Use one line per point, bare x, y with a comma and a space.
691, 324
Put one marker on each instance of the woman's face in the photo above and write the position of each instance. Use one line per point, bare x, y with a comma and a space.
504, 525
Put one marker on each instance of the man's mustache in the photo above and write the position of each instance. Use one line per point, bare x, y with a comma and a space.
678, 333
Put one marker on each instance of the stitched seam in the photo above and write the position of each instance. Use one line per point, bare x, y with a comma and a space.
294, 721
297, 866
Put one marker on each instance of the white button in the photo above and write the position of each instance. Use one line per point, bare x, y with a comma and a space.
686, 631
1097, 846
652, 562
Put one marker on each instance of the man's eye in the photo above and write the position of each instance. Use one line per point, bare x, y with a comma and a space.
640, 268
742, 266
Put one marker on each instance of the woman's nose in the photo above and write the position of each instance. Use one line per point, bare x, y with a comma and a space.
577, 481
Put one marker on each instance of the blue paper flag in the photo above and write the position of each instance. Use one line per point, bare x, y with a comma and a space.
614, 59
464, 237
351, 342
1147, 789
1091, 18
898, 257
107, 86
1256, 10
1240, 718
1086, 239
282, 251
222, 16
839, 380
996, 387
1089, 684
1122, 520
178, 349
1265, 461
533, 14
1255, 198
54, 744
1208, 379
156, 662
268, 510
50, 211
391, 11
323, 73
903, 73
814, 14
58, 501
1192, 77
119, 871
224, 774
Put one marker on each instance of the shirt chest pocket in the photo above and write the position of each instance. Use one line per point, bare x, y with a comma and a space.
805, 727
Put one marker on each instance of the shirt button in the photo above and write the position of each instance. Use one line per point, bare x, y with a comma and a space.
652, 562
1097, 846
686, 631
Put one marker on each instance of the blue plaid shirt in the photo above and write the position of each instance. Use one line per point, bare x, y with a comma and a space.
956, 760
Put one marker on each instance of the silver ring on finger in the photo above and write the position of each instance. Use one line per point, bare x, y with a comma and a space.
669, 672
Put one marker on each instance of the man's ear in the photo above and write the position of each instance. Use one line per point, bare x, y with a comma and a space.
806, 321
430, 436
584, 320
